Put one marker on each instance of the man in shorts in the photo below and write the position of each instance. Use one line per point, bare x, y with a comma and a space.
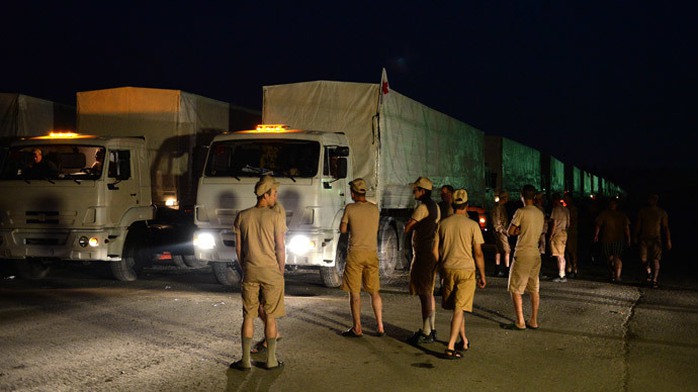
527, 224
614, 227
559, 222
422, 226
261, 253
500, 221
457, 239
652, 222
360, 220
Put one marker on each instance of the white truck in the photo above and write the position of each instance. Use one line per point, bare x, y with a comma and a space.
120, 190
334, 132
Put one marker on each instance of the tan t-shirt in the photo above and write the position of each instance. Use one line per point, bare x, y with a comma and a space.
362, 218
612, 224
561, 220
650, 221
257, 228
531, 221
455, 237
500, 220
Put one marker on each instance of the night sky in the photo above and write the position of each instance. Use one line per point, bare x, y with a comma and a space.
610, 86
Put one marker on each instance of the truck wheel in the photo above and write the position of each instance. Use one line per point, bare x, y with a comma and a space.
134, 258
392, 264
227, 274
32, 269
332, 276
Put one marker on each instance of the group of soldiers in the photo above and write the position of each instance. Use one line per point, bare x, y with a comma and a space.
445, 241
610, 235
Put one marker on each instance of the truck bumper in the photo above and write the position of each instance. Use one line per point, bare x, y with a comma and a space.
54, 244
303, 249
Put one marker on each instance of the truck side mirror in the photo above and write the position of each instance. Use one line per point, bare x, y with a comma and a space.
341, 167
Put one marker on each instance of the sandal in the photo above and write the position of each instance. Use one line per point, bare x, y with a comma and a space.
349, 333
259, 347
452, 354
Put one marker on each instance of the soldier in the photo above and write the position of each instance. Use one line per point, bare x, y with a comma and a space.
422, 226
360, 220
500, 221
457, 239
559, 222
652, 222
261, 252
527, 224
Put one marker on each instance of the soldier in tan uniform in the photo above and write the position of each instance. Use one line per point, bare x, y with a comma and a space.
360, 220
527, 224
500, 222
261, 253
652, 222
457, 239
559, 222
422, 226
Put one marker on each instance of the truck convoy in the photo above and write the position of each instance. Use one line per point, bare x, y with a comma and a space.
121, 190
326, 134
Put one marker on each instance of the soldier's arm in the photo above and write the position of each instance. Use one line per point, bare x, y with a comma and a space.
480, 264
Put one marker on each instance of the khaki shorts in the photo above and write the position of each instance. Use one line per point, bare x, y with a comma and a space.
267, 285
458, 289
651, 249
361, 268
501, 241
422, 274
557, 244
523, 274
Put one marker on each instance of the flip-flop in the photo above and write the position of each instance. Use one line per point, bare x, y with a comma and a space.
237, 365
349, 333
280, 365
452, 354
531, 326
513, 327
380, 334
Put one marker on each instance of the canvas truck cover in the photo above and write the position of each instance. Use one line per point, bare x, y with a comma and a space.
514, 164
22, 115
173, 123
393, 140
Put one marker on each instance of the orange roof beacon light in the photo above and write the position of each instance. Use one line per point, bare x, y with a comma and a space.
271, 128
62, 135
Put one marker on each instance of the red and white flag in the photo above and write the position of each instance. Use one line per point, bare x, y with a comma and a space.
384, 87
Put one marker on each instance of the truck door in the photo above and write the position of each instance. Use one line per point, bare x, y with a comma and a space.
123, 188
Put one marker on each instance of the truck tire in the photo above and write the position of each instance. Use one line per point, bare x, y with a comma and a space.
332, 276
227, 274
134, 258
392, 261
32, 269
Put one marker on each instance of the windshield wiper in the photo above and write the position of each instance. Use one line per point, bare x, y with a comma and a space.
258, 170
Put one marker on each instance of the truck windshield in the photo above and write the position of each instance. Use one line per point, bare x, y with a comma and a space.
253, 158
53, 162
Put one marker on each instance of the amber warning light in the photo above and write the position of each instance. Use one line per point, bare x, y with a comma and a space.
63, 135
271, 128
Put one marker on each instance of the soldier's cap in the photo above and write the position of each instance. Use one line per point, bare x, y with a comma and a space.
358, 186
423, 182
265, 184
460, 196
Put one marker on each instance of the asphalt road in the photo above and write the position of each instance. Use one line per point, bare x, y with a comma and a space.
174, 330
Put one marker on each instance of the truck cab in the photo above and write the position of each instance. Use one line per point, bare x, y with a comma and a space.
72, 197
312, 168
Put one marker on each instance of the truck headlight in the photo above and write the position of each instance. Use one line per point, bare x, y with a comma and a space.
204, 241
92, 241
300, 245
